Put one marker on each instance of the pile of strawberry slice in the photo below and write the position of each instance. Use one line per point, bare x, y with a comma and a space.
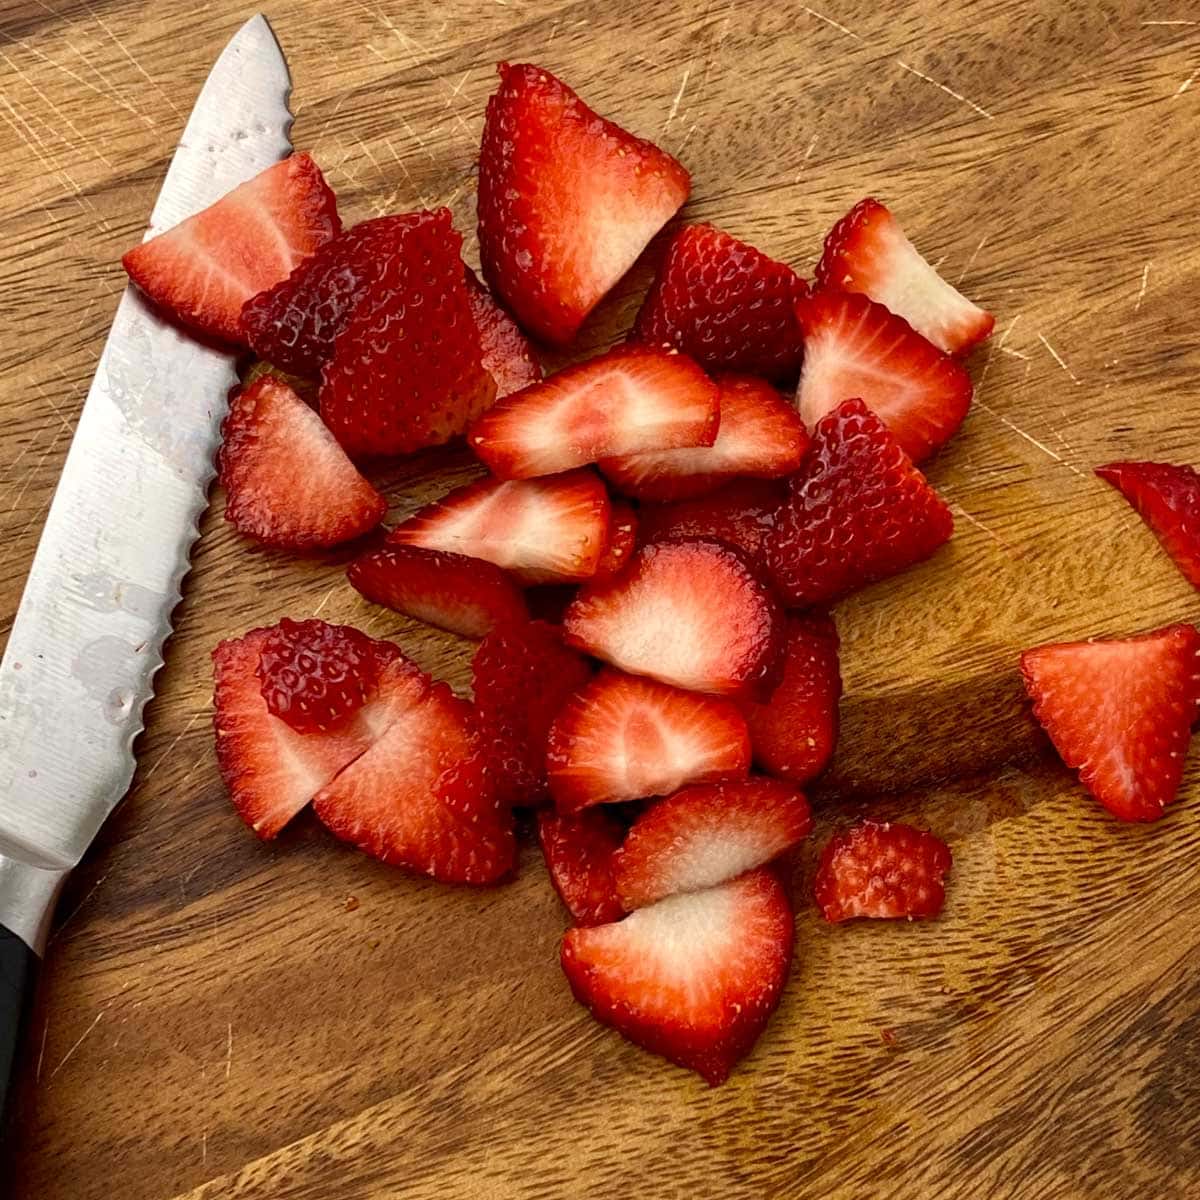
701, 521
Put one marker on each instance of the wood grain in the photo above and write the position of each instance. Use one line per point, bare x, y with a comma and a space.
224, 1019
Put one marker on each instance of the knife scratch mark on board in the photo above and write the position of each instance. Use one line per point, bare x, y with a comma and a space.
78, 1043
812, 12
110, 88
37, 1074
983, 112
678, 98
99, 19
175, 742
1058, 458
1058, 358
1187, 83
1142, 290
70, 916
971, 261
228, 1051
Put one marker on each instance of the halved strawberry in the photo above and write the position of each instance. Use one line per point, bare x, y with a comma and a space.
629, 400
858, 512
567, 200
579, 852
1120, 712
507, 355
464, 595
760, 434
622, 540
270, 431
694, 977
855, 347
867, 251
549, 530
205, 268
624, 738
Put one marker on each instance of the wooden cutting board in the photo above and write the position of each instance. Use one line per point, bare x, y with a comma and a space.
223, 1018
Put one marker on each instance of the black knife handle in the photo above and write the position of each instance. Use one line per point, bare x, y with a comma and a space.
18, 969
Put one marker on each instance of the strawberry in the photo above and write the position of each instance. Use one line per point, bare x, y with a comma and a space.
694, 977
622, 540
760, 434
855, 347
551, 530
881, 869
269, 430
868, 252
623, 738
204, 269
1120, 713
725, 303
629, 400
464, 595
579, 852
690, 613
567, 201
255, 369
1167, 498
858, 512
506, 353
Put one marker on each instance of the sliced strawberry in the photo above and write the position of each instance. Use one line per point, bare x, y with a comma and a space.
883, 869
622, 540
694, 977
1120, 713
551, 530
256, 369
567, 201
855, 347
690, 613
626, 401
507, 355
579, 852
464, 595
868, 252
623, 737
204, 269
858, 512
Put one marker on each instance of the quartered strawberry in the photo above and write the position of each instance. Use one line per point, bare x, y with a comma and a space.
464, 595
1120, 713
882, 869
622, 540
268, 432
725, 303
507, 355
629, 400
858, 512
868, 252
760, 434
579, 852
694, 977
689, 612
567, 201
204, 269
855, 347
549, 530
623, 737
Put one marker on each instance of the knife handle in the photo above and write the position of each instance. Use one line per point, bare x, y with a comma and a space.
18, 970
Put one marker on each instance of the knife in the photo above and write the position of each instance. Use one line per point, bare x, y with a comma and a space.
96, 611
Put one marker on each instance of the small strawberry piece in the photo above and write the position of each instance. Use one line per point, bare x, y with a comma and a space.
507, 355
725, 303
630, 400
622, 541
855, 347
464, 595
579, 853
204, 269
624, 738
1167, 498
694, 977
567, 201
690, 613
256, 369
268, 433
1120, 713
868, 252
551, 530
858, 512
882, 869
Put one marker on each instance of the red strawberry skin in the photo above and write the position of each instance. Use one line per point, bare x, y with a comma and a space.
622, 541
579, 854
567, 201
507, 354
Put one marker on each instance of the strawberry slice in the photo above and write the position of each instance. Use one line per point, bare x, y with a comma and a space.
882, 869
268, 431
204, 269
760, 434
551, 530
855, 347
624, 738
464, 595
694, 977
867, 251
567, 201
690, 613
725, 303
629, 400
507, 355
703, 836
1120, 713
622, 541
579, 853
858, 512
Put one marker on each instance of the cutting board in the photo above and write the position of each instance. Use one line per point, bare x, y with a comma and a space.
226, 1018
